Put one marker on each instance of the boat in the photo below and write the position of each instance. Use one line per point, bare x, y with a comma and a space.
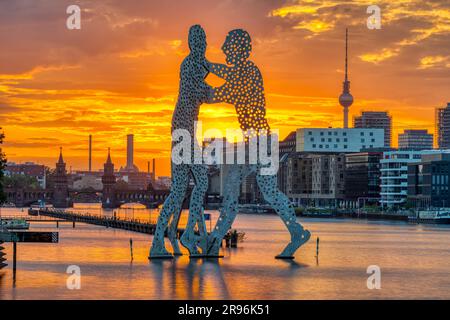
255, 209
14, 224
432, 216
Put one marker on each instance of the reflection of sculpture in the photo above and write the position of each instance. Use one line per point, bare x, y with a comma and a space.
193, 92
244, 89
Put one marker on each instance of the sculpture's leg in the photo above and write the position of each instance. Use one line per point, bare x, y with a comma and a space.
229, 208
172, 203
280, 202
172, 232
189, 238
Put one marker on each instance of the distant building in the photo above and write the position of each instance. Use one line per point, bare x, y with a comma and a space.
338, 140
289, 144
443, 127
130, 167
316, 179
29, 169
362, 177
88, 182
415, 140
60, 188
394, 176
429, 181
375, 120
163, 182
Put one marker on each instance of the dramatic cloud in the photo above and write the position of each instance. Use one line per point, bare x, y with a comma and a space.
119, 73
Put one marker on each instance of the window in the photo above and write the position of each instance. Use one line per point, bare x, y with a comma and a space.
314, 145
320, 146
322, 140
321, 133
310, 133
373, 140
335, 146
330, 140
345, 140
345, 146
335, 133
363, 140
362, 134
330, 133
371, 134
344, 134
338, 140
312, 139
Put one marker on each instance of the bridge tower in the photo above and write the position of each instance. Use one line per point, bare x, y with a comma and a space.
61, 188
108, 180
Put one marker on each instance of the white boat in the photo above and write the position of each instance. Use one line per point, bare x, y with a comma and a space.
15, 224
432, 216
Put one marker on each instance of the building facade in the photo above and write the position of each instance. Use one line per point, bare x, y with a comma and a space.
108, 182
362, 177
338, 140
443, 127
61, 187
376, 120
429, 182
394, 176
316, 179
29, 169
415, 140
289, 144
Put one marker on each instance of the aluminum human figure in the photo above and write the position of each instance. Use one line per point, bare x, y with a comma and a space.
244, 89
193, 92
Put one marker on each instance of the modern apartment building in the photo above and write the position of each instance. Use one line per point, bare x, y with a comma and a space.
338, 140
415, 140
429, 181
362, 177
374, 119
443, 127
394, 175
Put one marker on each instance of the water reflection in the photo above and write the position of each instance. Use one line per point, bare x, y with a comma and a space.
347, 248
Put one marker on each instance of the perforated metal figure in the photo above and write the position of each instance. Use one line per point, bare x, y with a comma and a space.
245, 90
193, 92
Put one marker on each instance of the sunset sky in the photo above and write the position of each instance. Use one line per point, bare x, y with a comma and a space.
119, 73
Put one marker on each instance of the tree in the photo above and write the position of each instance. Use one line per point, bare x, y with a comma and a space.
2, 168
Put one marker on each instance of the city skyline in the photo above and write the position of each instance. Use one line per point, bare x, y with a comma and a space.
118, 74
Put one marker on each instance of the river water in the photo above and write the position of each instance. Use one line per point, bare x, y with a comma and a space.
414, 262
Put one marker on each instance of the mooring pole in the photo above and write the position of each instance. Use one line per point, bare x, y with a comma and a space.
14, 259
131, 248
317, 247
73, 225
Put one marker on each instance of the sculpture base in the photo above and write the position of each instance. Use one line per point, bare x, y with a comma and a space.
285, 257
160, 257
177, 254
214, 257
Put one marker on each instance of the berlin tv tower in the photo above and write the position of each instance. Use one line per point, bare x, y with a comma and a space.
346, 99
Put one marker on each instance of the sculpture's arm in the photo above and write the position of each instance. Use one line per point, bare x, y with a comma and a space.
220, 70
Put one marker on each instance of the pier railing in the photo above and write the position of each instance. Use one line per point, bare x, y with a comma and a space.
135, 225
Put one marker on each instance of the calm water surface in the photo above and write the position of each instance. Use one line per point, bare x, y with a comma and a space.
414, 260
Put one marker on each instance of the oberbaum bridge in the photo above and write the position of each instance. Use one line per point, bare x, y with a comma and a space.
61, 196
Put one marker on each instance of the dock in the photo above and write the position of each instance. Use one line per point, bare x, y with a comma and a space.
134, 225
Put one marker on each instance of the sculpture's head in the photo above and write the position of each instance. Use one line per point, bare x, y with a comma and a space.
197, 40
237, 46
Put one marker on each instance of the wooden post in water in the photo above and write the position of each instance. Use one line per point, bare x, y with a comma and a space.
14, 259
73, 224
131, 248
317, 247
57, 224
